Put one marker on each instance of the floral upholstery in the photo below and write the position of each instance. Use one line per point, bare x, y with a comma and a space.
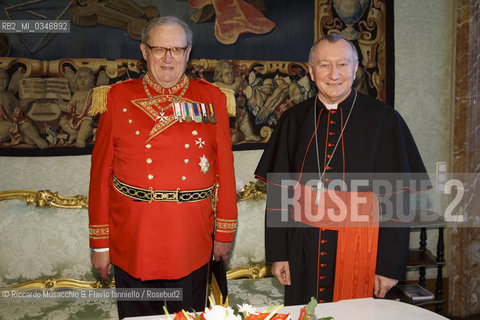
257, 292
50, 309
248, 248
42, 242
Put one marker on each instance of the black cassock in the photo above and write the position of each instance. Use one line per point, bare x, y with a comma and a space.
376, 140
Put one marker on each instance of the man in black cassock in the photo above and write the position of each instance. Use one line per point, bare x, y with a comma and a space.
339, 131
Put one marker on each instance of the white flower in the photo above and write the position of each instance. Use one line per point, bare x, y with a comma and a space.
247, 309
239, 184
220, 313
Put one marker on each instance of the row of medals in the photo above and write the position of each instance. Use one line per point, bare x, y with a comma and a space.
197, 112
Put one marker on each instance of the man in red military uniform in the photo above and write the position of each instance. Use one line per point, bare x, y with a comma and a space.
162, 162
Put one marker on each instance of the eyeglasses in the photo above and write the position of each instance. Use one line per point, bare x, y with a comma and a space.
160, 52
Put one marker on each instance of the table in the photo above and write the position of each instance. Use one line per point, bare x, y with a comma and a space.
355, 309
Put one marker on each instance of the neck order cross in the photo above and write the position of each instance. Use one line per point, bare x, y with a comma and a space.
169, 92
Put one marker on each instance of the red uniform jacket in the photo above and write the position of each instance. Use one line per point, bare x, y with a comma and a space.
134, 142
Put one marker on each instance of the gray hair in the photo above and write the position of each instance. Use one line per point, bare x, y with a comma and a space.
167, 20
332, 38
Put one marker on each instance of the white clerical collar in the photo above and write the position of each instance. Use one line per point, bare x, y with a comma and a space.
331, 106
335, 105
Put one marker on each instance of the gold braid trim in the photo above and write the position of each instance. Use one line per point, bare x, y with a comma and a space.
99, 100
231, 104
226, 225
99, 231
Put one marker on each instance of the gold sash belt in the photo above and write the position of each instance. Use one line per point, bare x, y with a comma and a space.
162, 195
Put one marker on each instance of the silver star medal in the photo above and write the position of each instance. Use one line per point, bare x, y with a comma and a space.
204, 165
200, 143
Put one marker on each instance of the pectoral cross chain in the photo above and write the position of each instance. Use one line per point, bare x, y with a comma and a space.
320, 189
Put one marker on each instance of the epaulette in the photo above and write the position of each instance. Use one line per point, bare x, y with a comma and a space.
99, 100
231, 102
230, 96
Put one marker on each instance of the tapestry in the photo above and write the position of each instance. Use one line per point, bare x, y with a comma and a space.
258, 48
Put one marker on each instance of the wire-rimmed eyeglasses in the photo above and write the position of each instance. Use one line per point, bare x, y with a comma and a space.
160, 52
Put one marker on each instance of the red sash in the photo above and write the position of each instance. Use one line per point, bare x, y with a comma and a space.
355, 215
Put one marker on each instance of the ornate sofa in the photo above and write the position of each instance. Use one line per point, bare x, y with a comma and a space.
44, 246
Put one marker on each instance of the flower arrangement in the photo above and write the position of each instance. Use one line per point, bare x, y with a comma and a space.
247, 312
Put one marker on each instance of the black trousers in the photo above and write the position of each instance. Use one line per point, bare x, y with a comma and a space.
194, 293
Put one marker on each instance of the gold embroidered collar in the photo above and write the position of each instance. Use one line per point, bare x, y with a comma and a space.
167, 91
169, 96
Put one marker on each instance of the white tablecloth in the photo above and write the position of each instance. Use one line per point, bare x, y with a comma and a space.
355, 309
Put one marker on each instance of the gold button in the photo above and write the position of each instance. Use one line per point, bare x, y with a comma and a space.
187, 146
194, 132
150, 177
148, 146
130, 120
184, 178
124, 109
149, 160
186, 160
137, 132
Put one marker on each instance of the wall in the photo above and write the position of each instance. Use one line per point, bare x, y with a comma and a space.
424, 32
423, 51
423, 68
